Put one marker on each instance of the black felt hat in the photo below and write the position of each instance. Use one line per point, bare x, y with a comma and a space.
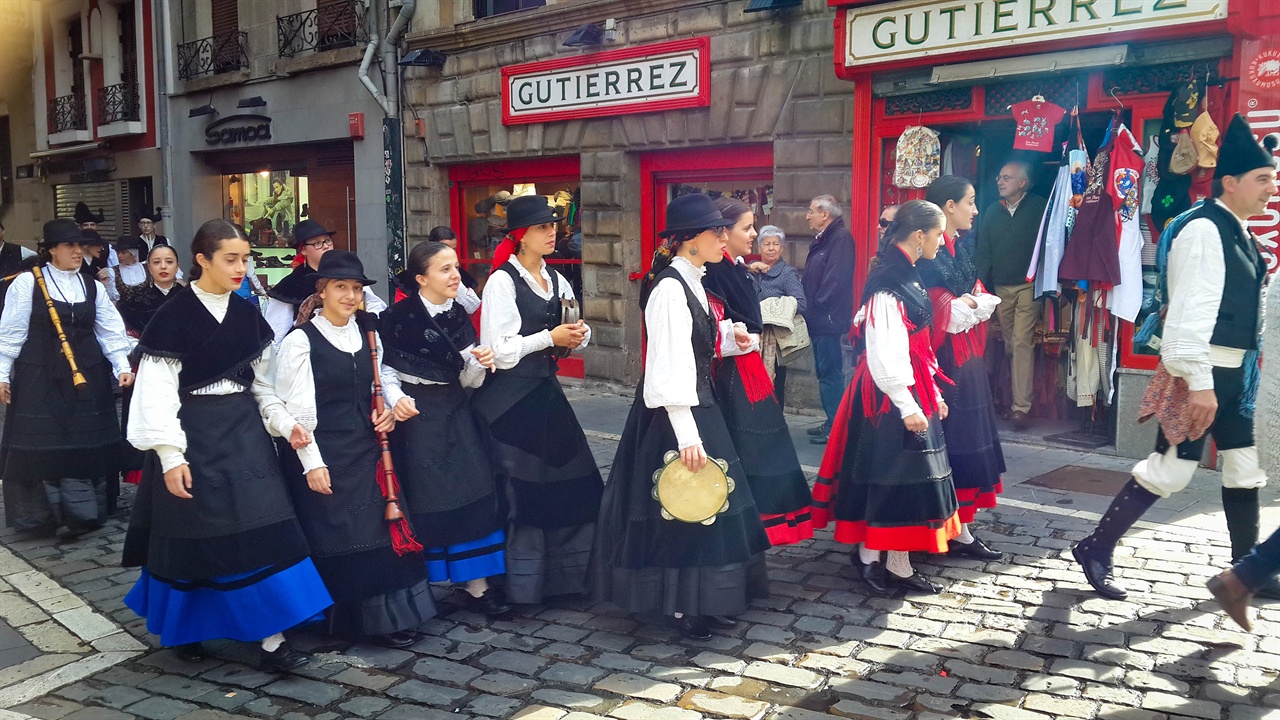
342, 265
133, 244
85, 215
154, 216
91, 237
693, 213
309, 229
1241, 153
529, 210
60, 231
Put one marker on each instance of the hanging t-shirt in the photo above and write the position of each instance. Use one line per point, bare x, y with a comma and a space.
1035, 121
1127, 166
1150, 174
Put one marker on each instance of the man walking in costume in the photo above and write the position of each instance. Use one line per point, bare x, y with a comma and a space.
1215, 276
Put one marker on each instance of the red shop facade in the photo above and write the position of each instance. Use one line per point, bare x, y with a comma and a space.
959, 68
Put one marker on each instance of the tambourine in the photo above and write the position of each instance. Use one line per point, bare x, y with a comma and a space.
692, 497
570, 313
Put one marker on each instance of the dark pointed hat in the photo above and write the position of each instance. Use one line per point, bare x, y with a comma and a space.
1241, 153
84, 214
154, 216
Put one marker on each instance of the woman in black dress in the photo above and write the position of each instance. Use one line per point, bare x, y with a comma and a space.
745, 392
324, 376
961, 307
60, 450
884, 477
702, 575
213, 529
553, 481
447, 478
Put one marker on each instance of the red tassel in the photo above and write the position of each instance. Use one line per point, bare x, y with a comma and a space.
755, 379
402, 540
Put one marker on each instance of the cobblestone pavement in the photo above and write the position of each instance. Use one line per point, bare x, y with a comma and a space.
1022, 638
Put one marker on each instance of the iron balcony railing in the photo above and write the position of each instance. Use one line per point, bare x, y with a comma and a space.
118, 103
213, 55
67, 113
334, 25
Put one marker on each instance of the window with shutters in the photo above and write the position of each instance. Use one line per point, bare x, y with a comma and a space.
489, 8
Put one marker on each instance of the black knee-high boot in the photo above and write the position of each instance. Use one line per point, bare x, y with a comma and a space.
1094, 552
1240, 505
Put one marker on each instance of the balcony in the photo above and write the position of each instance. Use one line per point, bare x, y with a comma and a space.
119, 110
213, 55
331, 27
68, 121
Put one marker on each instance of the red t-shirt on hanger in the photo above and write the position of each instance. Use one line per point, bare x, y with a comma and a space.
1035, 121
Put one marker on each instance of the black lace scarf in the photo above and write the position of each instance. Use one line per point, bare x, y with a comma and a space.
423, 346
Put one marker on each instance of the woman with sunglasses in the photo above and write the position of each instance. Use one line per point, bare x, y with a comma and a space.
285, 298
553, 481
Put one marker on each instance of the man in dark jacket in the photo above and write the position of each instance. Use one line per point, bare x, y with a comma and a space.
1005, 244
828, 287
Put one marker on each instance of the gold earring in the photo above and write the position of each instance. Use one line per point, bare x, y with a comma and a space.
693, 250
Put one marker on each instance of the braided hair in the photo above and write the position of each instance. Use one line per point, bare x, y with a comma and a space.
662, 260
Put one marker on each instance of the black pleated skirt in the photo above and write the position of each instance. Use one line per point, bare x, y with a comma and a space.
973, 440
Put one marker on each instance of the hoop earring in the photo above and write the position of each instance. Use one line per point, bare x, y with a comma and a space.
693, 250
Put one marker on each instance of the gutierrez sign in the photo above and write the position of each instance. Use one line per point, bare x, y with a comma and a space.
651, 78
915, 28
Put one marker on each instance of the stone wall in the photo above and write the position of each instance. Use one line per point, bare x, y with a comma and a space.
772, 81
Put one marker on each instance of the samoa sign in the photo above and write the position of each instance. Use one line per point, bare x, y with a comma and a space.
237, 129
650, 78
910, 29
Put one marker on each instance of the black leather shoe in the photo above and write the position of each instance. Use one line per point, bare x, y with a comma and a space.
976, 550
396, 640
191, 652
1269, 591
693, 627
915, 583
1097, 571
491, 604
283, 659
818, 439
817, 430
873, 576
721, 622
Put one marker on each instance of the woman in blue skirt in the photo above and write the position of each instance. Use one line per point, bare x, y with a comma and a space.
221, 551
446, 476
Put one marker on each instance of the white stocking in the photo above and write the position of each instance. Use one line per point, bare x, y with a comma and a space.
868, 556
899, 563
478, 587
273, 643
965, 537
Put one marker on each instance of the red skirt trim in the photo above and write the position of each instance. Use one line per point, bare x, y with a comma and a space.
789, 528
916, 538
133, 476
974, 499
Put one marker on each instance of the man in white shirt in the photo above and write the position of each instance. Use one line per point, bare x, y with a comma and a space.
1215, 277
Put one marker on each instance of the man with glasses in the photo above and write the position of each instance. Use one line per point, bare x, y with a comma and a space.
311, 241
828, 288
1005, 244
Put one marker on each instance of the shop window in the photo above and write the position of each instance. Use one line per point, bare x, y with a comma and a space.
267, 204
489, 8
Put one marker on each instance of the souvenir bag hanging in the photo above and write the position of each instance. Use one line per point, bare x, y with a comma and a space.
919, 158
1184, 156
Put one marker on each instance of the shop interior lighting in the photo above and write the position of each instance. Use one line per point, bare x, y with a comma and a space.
1043, 63
424, 57
252, 102
763, 5
206, 109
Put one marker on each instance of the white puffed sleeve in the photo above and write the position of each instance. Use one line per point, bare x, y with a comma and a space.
15, 321
671, 380
963, 317
473, 373
1196, 275
500, 324
108, 328
153, 412
295, 386
468, 299
274, 417
889, 353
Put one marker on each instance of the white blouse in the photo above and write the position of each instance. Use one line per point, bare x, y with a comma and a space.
68, 286
153, 414
889, 351
965, 318
468, 299
671, 379
472, 375
131, 275
295, 382
500, 322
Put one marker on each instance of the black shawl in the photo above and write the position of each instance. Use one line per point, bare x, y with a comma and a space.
295, 287
182, 329
956, 274
894, 274
731, 283
139, 303
423, 346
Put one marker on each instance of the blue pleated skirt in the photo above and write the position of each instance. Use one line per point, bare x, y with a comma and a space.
247, 606
470, 560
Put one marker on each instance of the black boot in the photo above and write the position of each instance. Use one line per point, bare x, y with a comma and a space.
1240, 505
1094, 552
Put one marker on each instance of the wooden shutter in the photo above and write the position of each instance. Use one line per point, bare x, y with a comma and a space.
226, 16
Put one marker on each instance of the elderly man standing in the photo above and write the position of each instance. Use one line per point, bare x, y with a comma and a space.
1005, 245
828, 288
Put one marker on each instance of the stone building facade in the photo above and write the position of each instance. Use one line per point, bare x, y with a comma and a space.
773, 96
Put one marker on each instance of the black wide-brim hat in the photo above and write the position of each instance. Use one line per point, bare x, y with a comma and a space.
62, 230
133, 244
342, 265
529, 210
693, 213
308, 229
91, 237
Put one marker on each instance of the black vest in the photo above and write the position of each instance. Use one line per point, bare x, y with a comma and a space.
703, 339
1246, 272
343, 382
894, 274
10, 257
44, 350
536, 315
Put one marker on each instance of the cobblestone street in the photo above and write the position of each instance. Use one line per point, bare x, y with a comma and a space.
1022, 638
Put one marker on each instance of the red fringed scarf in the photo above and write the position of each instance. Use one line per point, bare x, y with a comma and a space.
964, 346
507, 247
755, 378
924, 367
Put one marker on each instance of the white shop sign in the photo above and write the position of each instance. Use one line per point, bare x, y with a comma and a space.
916, 28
